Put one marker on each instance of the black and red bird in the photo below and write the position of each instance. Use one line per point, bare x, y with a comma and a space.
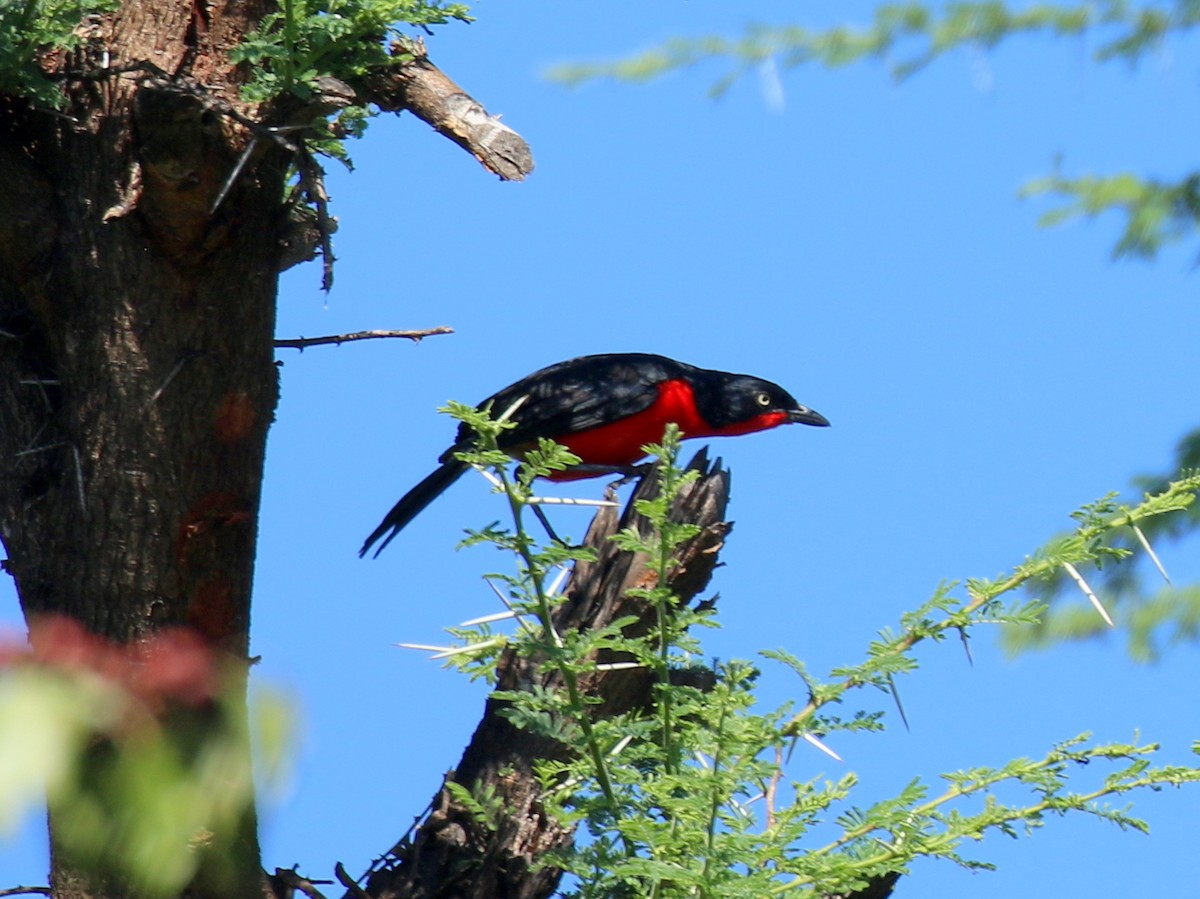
604, 409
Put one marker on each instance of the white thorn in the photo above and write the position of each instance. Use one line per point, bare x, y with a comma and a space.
517, 404
618, 666
739, 808
423, 647
508, 605
625, 741
472, 647
496, 590
570, 501
1092, 597
492, 479
557, 583
1150, 552
488, 619
821, 746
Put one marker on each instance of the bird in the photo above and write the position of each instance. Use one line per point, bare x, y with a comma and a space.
604, 408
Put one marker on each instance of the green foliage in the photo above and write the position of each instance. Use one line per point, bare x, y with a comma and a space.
911, 36
305, 39
693, 797
1155, 212
30, 28
1119, 538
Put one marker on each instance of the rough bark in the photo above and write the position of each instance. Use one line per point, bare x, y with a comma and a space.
450, 854
137, 377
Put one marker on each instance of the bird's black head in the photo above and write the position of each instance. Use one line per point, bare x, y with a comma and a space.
740, 404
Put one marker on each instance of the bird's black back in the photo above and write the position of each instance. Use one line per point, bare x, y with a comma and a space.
579, 394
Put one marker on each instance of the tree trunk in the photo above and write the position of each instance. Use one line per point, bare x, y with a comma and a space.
138, 277
137, 378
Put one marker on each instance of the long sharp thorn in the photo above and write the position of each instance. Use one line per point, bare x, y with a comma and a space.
499, 593
624, 741
471, 647
511, 410
166, 382
559, 579
966, 642
821, 746
520, 619
491, 478
488, 619
233, 176
570, 501
423, 647
1092, 597
899, 704
1150, 552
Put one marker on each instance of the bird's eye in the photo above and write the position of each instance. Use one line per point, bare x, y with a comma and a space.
763, 399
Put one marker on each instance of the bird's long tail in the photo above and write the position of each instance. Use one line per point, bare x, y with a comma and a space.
412, 503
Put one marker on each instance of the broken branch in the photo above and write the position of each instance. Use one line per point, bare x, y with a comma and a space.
428, 93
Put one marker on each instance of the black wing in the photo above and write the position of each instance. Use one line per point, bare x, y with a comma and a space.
579, 394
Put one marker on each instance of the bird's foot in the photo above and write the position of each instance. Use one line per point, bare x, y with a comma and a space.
629, 473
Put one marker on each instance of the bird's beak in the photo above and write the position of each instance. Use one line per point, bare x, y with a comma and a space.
806, 416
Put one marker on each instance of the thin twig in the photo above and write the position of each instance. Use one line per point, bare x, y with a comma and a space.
27, 891
302, 343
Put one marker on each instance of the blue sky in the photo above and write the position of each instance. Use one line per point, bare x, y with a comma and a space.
864, 246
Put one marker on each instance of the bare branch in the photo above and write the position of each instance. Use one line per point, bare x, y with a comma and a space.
303, 343
26, 891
